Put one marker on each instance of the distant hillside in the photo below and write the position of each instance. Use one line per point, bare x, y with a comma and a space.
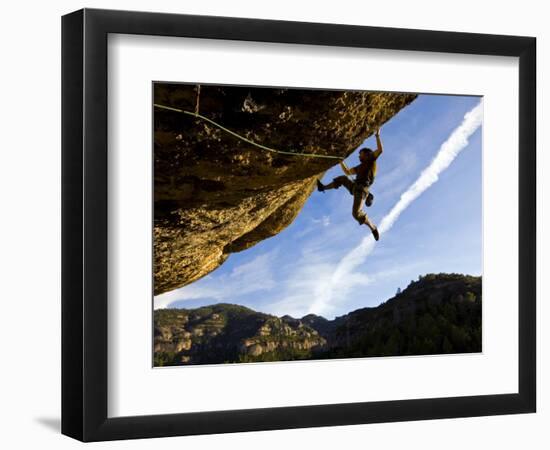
439, 313
436, 314
229, 333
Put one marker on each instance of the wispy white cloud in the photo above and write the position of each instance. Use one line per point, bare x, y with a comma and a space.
253, 276
313, 225
190, 292
448, 151
325, 221
309, 280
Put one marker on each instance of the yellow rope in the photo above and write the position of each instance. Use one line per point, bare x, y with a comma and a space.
242, 138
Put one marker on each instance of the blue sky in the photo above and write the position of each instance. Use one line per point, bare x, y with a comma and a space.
440, 231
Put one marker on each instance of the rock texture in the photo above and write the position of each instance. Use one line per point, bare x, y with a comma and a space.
433, 315
215, 195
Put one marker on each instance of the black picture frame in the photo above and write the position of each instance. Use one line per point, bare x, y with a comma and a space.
84, 224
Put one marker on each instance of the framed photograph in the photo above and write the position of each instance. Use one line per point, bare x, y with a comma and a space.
273, 225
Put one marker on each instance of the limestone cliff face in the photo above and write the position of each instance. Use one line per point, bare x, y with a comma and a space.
215, 194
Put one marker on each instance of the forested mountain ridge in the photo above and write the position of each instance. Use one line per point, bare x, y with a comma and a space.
438, 313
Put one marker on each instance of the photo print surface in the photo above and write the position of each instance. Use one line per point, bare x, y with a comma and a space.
298, 224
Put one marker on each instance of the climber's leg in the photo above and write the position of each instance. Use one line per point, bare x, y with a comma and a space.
359, 196
357, 211
336, 183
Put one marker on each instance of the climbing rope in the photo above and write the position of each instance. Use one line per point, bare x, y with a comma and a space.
242, 138
198, 99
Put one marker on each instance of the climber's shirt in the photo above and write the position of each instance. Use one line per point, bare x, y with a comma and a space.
366, 171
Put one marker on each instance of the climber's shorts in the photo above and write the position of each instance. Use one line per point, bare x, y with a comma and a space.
353, 187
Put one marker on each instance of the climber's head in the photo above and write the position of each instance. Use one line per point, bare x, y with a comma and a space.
365, 154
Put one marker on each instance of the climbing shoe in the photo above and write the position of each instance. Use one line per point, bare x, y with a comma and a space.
375, 234
369, 200
320, 186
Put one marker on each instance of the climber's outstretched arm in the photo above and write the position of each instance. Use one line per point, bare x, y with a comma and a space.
346, 169
379, 148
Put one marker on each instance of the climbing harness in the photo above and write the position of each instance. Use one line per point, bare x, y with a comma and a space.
242, 138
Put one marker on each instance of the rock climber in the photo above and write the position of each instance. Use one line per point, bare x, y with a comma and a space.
359, 188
